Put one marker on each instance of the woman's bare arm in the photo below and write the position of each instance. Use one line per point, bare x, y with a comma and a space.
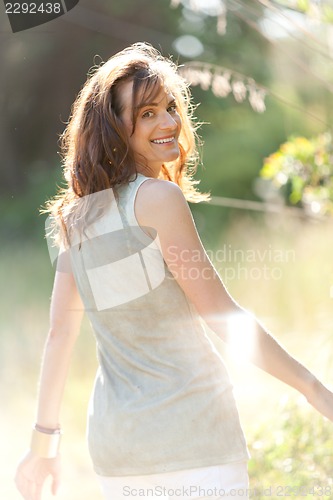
161, 205
65, 320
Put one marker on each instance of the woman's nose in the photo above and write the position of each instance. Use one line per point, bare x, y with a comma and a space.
168, 121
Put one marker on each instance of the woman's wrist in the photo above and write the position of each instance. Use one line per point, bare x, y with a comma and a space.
45, 442
309, 386
48, 430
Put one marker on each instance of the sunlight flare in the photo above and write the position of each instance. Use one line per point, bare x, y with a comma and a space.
241, 338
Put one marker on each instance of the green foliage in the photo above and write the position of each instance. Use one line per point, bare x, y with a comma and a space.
302, 169
20, 211
295, 457
328, 13
322, 11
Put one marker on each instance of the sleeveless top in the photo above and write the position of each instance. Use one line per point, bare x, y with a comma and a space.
162, 399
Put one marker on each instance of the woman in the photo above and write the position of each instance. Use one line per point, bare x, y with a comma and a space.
162, 413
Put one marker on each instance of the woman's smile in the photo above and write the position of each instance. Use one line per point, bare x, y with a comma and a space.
164, 140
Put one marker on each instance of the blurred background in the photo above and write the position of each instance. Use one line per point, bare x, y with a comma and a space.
262, 75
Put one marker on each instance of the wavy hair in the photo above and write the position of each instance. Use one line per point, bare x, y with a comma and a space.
95, 147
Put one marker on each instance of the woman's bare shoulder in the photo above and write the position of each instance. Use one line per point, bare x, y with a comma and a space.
161, 186
159, 193
161, 204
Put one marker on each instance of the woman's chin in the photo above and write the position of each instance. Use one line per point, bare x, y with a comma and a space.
172, 156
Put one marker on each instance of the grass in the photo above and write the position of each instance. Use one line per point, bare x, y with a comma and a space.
290, 444
295, 458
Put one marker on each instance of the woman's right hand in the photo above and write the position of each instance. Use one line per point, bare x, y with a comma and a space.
32, 472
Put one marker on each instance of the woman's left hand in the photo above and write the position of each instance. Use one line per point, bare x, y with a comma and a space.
32, 473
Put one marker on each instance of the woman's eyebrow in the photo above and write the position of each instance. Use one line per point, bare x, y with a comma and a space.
146, 104
171, 100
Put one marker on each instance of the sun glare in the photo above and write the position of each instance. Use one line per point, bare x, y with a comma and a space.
241, 337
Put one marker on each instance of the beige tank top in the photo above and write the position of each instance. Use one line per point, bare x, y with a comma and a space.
162, 399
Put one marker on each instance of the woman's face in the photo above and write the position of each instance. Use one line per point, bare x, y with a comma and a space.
158, 125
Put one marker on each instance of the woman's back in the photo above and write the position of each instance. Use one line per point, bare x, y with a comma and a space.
161, 390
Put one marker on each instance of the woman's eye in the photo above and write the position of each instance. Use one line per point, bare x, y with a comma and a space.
172, 108
147, 114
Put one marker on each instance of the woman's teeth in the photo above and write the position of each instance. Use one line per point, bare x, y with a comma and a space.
162, 141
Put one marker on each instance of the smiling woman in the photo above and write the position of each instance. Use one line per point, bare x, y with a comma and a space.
162, 416
129, 104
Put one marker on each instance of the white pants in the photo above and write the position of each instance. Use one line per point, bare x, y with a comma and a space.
218, 482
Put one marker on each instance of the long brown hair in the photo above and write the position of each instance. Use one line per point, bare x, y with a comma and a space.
95, 147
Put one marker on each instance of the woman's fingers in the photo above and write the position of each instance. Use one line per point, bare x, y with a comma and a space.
55, 486
56, 476
38, 491
22, 484
32, 473
25, 487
